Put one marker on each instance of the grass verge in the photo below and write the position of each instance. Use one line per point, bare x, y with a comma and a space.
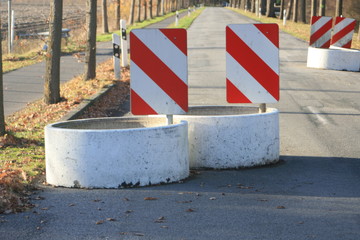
299, 30
22, 151
143, 24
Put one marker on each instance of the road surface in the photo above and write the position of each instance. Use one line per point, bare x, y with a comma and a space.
313, 193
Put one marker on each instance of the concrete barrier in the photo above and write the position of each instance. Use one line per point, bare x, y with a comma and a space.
116, 152
334, 58
223, 137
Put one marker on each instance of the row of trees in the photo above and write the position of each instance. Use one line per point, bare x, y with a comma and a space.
52, 74
296, 10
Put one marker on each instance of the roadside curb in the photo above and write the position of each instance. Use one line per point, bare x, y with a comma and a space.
86, 103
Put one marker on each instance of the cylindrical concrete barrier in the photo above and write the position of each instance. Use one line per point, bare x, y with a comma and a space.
223, 137
334, 58
116, 152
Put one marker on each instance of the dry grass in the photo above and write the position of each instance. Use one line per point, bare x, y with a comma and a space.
22, 152
299, 30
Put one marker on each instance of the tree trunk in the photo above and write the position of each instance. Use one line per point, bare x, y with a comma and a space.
289, 9
339, 7
313, 8
303, 11
322, 7
52, 74
270, 11
253, 6
117, 14
132, 12
282, 7
145, 10
105, 17
162, 7
90, 53
295, 11
2, 114
151, 9
139, 11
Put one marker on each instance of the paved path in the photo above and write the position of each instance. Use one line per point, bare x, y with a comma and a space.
27, 84
313, 194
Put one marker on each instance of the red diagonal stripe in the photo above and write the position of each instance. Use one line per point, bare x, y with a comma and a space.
326, 44
234, 95
319, 33
271, 31
139, 106
347, 45
314, 19
343, 32
252, 63
166, 79
338, 19
177, 37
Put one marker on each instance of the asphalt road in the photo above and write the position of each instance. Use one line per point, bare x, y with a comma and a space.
313, 193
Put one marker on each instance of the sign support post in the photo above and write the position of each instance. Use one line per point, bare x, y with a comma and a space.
124, 45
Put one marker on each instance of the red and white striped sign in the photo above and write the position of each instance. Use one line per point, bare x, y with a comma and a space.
158, 71
343, 32
252, 63
320, 31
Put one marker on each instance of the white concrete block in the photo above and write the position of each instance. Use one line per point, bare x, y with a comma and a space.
334, 58
116, 152
223, 137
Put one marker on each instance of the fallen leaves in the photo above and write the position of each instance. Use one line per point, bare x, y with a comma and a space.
150, 198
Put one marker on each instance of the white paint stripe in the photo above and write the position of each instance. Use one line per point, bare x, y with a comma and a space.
164, 49
317, 113
151, 93
344, 40
322, 40
259, 43
248, 85
344, 23
318, 24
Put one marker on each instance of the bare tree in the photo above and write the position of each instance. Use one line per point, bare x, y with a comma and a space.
295, 11
270, 10
132, 12
313, 7
2, 114
90, 53
303, 11
145, 10
282, 7
53, 55
151, 9
289, 9
117, 14
339, 7
322, 7
162, 7
139, 11
105, 24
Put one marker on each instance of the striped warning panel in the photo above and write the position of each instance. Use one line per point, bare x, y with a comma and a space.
343, 32
252, 63
158, 71
320, 31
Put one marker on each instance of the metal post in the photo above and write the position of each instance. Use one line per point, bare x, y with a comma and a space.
177, 18
116, 57
12, 38
169, 119
9, 26
262, 107
284, 17
124, 45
